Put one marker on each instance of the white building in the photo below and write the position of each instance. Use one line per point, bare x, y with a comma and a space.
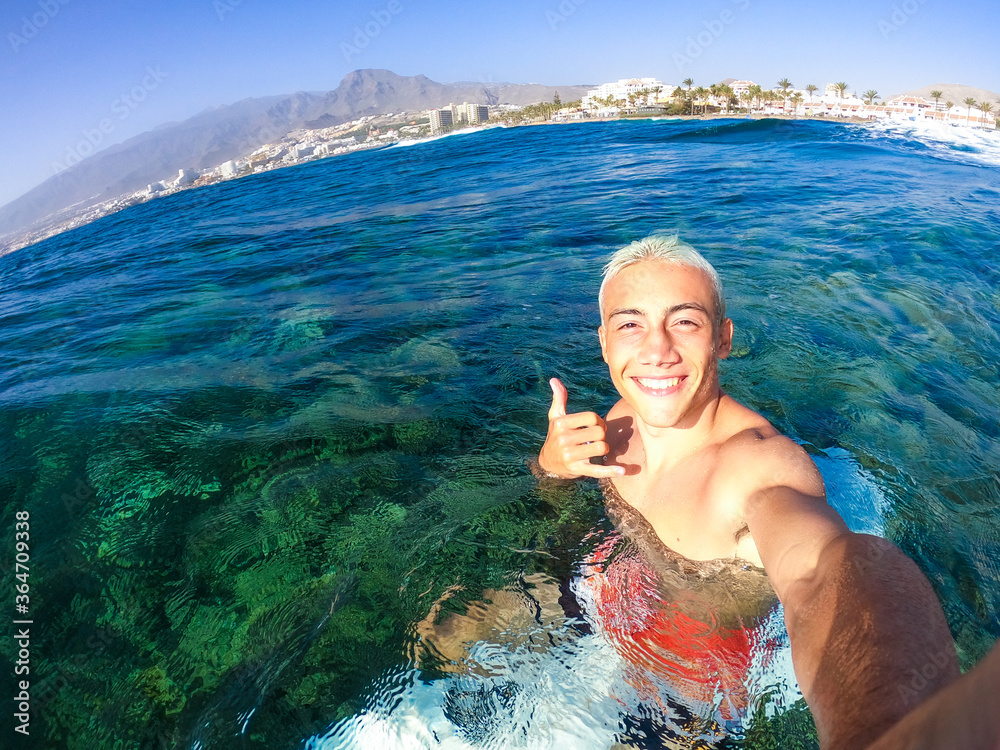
741, 88
228, 168
964, 117
336, 146
475, 113
907, 108
185, 177
642, 89
442, 118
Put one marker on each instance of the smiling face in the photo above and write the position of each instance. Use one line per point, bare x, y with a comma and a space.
661, 342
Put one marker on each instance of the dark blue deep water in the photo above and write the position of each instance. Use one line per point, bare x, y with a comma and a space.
270, 436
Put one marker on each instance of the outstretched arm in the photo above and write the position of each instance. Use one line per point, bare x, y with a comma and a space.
572, 440
869, 639
963, 715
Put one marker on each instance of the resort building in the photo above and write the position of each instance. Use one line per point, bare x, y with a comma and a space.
966, 117
639, 89
741, 89
442, 118
185, 177
446, 117
908, 107
475, 113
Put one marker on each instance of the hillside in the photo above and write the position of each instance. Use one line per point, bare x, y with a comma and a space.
228, 132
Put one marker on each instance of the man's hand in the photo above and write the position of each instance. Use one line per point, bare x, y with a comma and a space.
573, 440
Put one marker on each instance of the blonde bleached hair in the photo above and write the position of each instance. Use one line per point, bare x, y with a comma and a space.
668, 249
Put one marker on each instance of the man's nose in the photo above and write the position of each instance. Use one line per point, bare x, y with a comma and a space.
658, 348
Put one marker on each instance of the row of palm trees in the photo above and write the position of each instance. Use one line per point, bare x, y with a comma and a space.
633, 98
756, 96
970, 101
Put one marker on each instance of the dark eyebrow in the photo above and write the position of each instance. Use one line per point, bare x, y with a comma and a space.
670, 311
625, 311
688, 306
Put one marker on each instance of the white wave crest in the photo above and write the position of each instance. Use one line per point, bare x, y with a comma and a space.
952, 142
416, 141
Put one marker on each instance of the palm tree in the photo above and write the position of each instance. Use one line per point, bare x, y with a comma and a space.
688, 82
699, 93
726, 92
811, 88
970, 103
755, 92
935, 95
768, 96
784, 84
841, 88
869, 96
986, 107
796, 100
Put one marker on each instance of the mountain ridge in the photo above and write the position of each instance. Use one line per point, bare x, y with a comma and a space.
228, 131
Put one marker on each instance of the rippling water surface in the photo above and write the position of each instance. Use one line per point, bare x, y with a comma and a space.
272, 433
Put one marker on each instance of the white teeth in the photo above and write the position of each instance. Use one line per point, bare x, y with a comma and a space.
659, 384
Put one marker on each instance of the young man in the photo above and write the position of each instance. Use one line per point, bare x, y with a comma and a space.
715, 480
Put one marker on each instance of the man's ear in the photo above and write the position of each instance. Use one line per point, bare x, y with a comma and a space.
604, 343
725, 338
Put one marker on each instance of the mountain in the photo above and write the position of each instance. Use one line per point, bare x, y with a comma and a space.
956, 93
228, 132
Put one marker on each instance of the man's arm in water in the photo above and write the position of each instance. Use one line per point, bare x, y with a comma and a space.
963, 715
870, 643
869, 639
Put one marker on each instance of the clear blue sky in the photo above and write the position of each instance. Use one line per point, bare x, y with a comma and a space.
65, 65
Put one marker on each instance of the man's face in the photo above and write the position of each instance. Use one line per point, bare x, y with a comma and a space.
661, 342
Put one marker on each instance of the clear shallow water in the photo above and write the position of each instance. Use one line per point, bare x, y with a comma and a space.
262, 428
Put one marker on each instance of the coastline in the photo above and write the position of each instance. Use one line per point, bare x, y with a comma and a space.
713, 116
52, 226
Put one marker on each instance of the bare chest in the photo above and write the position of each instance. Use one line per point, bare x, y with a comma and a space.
693, 508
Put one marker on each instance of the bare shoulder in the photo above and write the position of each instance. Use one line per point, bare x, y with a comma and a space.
762, 457
620, 430
619, 410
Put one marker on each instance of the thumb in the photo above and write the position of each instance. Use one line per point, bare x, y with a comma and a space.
559, 396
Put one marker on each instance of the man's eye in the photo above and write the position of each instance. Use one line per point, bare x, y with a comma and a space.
630, 324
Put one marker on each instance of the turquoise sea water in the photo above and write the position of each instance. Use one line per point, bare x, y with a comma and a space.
272, 433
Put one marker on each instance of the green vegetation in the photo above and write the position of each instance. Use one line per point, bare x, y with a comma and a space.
209, 575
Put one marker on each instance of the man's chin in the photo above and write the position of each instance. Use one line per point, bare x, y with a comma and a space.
658, 420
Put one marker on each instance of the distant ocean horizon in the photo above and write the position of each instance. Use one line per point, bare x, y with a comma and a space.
265, 431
